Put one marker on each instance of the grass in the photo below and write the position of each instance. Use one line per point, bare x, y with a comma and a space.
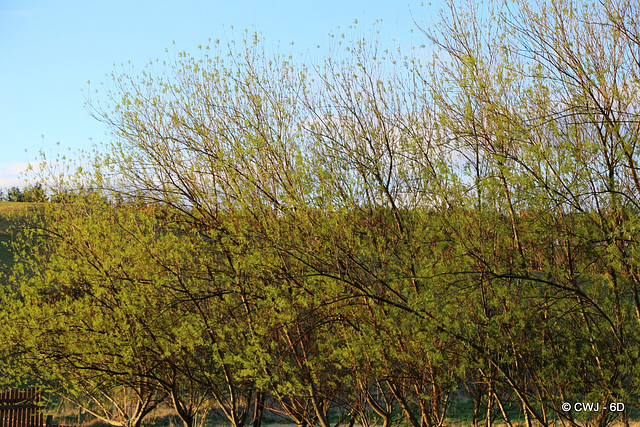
460, 414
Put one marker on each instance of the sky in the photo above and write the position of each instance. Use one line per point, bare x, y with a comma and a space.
50, 50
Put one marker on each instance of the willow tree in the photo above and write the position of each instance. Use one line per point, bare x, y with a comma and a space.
539, 100
476, 212
75, 326
116, 308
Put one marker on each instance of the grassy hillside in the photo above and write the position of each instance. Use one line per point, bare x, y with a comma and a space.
10, 214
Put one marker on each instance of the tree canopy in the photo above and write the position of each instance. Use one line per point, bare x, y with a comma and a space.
360, 240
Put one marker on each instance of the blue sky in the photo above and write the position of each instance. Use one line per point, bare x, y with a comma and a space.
49, 50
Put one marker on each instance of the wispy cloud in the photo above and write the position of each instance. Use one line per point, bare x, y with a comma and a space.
13, 174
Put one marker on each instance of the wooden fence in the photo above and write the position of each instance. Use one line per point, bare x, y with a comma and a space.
21, 408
